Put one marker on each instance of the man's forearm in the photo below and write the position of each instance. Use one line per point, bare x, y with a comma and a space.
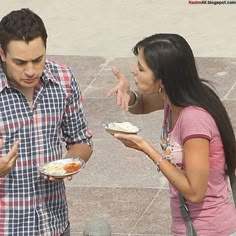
83, 151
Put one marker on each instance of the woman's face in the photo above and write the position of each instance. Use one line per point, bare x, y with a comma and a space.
144, 77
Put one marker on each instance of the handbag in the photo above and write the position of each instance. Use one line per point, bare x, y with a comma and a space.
185, 212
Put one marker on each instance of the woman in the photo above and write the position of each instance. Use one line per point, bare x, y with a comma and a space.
197, 137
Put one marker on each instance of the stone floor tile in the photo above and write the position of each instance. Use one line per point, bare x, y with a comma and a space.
121, 207
118, 167
156, 219
221, 71
231, 108
85, 69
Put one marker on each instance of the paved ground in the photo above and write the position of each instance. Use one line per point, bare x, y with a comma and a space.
118, 184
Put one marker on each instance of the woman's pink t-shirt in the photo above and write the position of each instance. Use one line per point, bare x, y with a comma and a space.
216, 215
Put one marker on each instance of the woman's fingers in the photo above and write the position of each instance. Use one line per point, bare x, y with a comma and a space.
117, 73
112, 91
122, 99
124, 136
121, 90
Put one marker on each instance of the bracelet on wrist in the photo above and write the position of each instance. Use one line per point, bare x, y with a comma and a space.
162, 158
136, 99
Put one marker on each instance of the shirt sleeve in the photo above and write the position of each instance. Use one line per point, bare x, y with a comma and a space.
196, 123
75, 126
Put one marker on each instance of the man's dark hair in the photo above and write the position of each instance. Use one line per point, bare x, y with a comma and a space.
21, 24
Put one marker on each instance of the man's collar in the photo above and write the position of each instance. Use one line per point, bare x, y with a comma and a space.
3, 79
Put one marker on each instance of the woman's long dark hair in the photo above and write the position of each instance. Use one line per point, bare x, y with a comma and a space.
171, 59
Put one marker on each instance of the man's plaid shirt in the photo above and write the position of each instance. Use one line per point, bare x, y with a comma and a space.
30, 204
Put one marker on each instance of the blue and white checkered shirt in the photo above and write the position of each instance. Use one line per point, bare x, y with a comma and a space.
30, 204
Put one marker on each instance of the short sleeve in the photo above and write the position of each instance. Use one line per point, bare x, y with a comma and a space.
196, 122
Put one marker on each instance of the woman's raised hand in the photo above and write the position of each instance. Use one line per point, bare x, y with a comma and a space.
122, 90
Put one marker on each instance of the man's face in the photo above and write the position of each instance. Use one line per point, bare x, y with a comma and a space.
24, 62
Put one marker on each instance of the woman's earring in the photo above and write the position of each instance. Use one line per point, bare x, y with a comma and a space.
162, 93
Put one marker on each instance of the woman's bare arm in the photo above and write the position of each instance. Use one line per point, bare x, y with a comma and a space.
146, 103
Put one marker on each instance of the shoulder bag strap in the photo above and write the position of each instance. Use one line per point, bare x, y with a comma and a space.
185, 214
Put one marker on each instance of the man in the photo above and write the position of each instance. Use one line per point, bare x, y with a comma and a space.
41, 107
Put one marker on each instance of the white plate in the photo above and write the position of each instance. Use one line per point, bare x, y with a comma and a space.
112, 129
60, 164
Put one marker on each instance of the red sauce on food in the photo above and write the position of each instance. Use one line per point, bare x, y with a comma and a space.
71, 167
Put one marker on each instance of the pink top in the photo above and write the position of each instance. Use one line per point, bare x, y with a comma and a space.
216, 215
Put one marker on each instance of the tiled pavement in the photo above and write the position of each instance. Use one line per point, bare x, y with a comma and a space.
118, 184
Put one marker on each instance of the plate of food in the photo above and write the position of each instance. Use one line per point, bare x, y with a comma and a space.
62, 168
121, 127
